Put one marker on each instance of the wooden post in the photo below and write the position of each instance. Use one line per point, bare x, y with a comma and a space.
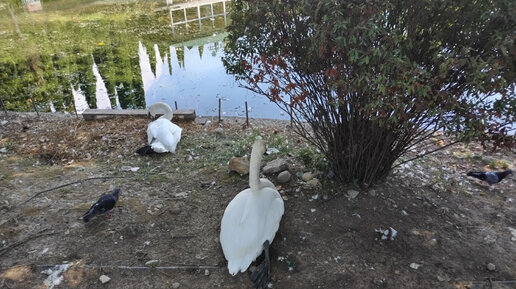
246, 115
34, 106
220, 106
175, 103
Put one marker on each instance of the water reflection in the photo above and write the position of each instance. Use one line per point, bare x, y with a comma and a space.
198, 79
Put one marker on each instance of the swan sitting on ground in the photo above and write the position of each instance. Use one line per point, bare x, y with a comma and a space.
250, 222
162, 135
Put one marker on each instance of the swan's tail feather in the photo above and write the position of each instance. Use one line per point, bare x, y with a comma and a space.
146, 150
262, 274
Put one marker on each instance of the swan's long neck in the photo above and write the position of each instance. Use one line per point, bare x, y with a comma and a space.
163, 108
254, 165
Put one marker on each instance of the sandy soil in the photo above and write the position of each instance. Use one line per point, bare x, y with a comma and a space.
452, 230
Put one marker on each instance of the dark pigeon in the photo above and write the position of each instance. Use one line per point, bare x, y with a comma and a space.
490, 177
104, 205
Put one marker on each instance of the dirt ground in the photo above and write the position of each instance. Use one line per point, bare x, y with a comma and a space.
452, 230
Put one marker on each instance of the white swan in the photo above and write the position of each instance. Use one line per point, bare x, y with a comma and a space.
250, 222
162, 135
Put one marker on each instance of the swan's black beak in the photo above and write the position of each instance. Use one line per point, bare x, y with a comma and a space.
150, 116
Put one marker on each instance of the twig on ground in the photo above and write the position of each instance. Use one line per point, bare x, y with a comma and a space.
14, 245
171, 267
65, 185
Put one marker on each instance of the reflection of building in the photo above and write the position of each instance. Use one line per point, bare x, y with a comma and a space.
206, 5
32, 5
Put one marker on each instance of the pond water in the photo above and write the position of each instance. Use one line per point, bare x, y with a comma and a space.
193, 76
123, 59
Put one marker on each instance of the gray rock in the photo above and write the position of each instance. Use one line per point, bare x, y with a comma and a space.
313, 182
239, 165
104, 279
491, 266
307, 176
3, 150
284, 177
275, 166
352, 194
3, 122
175, 285
219, 132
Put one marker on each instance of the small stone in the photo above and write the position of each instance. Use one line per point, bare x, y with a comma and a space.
175, 285
3, 150
152, 263
206, 272
352, 194
284, 177
104, 279
307, 176
414, 265
181, 195
313, 182
3, 122
275, 166
491, 267
239, 165
219, 132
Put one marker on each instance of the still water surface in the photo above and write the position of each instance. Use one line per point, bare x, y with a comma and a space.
197, 79
191, 74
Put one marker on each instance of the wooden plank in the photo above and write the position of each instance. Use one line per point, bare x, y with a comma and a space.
90, 114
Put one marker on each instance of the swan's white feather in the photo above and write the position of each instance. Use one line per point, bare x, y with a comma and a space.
163, 135
251, 218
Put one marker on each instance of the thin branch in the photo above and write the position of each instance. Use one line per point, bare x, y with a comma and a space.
14, 245
65, 185
122, 267
426, 153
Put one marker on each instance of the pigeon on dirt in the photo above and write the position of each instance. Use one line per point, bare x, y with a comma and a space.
490, 177
104, 205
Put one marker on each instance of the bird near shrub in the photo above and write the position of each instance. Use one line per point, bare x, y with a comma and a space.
250, 223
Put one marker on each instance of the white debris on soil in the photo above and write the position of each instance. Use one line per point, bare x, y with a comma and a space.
104, 279
388, 234
129, 168
272, 151
175, 285
54, 275
152, 263
513, 233
415, 265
